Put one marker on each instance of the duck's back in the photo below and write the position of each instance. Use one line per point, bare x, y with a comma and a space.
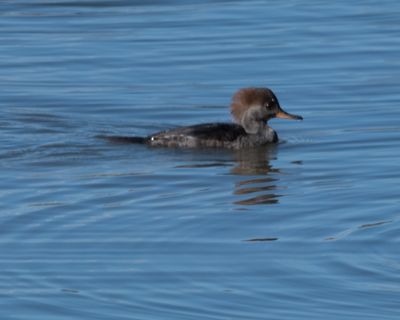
202, 135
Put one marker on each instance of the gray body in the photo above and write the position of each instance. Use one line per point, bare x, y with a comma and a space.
220, 135
251, 109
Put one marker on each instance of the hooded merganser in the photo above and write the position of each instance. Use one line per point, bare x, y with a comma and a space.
251, 109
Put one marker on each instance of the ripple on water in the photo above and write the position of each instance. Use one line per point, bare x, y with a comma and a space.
305, 229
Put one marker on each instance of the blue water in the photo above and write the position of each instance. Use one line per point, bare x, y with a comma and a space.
307, 229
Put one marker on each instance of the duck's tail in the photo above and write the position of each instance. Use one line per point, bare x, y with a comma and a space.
124, 140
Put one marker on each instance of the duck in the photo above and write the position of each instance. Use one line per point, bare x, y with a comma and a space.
251, 109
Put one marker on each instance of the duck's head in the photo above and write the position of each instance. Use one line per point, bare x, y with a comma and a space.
253, 107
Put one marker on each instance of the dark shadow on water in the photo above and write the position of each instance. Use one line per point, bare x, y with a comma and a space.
261, 239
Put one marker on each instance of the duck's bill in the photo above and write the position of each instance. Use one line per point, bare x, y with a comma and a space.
284, 115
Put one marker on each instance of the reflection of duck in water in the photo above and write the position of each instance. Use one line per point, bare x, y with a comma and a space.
258, 181
255, 161
258, 186
251, 109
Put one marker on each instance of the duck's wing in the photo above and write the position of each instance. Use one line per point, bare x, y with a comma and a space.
208, 131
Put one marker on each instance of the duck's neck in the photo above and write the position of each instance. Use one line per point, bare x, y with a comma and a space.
265, 134
251, 121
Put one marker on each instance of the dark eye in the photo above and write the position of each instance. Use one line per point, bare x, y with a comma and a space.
267, 105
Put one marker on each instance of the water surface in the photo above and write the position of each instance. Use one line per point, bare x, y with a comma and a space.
302, 230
